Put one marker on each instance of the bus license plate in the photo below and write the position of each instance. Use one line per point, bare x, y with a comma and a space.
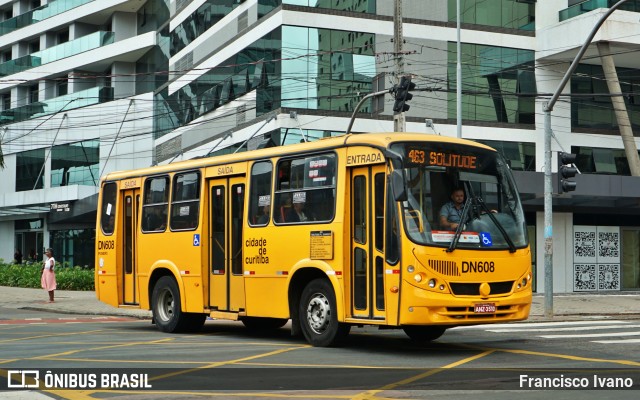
486, 308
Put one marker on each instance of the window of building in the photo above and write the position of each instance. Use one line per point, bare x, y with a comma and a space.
155, 204
108, 209
496, 76
62, 85
596, 112
590, 160
520, 156
5, 99
33, 94
62, 36
514, 14
260, 198
305, 190
36, 4
34, 46
28, 167
5, 56
75, 164
185, 204
74, 247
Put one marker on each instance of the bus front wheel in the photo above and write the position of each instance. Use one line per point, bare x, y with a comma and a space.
167, 311
423, 333
318, 315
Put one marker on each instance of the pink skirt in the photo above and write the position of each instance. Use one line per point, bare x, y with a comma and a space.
48, 280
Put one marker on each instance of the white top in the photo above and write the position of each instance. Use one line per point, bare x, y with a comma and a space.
49, 263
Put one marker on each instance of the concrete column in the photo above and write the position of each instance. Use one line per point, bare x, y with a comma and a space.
620, 108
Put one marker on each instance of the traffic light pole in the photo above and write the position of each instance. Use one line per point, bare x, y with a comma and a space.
548, 186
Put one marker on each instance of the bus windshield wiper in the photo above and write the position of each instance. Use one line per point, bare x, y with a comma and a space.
483, 205
463, 217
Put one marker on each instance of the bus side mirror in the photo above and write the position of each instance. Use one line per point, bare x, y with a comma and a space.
397, 185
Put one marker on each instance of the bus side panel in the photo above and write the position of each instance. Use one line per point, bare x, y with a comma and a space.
177, 252
266, 296
271, 256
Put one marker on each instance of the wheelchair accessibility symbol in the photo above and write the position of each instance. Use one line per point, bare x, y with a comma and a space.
485, 238
196, 239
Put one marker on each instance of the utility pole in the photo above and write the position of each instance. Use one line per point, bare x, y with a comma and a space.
398, 119
458, 74
548, 186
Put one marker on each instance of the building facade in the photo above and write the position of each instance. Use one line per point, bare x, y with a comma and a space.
136, 83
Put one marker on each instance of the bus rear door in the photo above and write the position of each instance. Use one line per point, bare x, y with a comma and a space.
226, 211
131, 203
367, 244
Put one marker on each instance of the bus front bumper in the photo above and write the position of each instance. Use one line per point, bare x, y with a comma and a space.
422, 307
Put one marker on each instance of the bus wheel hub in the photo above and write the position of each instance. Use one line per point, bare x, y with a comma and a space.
318, 313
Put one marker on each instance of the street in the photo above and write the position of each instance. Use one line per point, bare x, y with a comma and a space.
225, 359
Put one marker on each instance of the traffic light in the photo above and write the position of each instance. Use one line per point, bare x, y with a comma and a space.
403, 95
566, 170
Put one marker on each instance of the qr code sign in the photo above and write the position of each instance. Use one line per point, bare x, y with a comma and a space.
608, 277
584, 244
584, 277
609, 244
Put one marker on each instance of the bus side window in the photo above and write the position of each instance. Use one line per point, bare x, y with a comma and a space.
260, 196
108, 213
155, 204
185, 204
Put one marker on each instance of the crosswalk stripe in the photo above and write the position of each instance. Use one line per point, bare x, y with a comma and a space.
590, 335
620, 341
565, 329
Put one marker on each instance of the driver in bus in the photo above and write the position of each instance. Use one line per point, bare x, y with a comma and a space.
451, 212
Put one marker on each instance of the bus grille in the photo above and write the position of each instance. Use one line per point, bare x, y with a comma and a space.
473, 289
444, 267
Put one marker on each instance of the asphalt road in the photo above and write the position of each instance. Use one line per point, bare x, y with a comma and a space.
224, 360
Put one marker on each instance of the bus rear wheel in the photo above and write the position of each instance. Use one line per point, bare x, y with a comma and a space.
167, 311
424, 333
318, 316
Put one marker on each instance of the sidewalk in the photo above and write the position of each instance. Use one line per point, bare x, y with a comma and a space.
565, 306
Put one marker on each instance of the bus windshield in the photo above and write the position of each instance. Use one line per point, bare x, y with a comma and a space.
473, 186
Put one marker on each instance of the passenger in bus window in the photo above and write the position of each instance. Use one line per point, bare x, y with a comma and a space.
451, 212
297, 213
263, 218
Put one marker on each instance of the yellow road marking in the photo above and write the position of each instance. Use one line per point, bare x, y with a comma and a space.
66, 353
48, 335
553, 355
220, 363
432, 371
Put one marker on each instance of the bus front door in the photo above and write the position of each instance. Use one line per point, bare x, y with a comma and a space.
367, 243
226, 211
131, 202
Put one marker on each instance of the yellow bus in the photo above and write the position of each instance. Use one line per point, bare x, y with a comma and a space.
329, 234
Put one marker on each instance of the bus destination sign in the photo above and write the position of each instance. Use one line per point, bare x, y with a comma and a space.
441, 159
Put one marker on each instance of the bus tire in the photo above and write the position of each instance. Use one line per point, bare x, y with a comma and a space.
166, 308
318, 316
263, 324
423, 333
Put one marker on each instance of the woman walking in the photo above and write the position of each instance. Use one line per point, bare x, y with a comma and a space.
48, 280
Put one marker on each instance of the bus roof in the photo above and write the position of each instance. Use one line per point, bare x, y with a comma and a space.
378, 140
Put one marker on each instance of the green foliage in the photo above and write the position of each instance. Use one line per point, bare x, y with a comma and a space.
28, 276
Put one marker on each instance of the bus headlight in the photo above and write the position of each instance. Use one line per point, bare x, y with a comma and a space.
418, 277
410, 268
432, 283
